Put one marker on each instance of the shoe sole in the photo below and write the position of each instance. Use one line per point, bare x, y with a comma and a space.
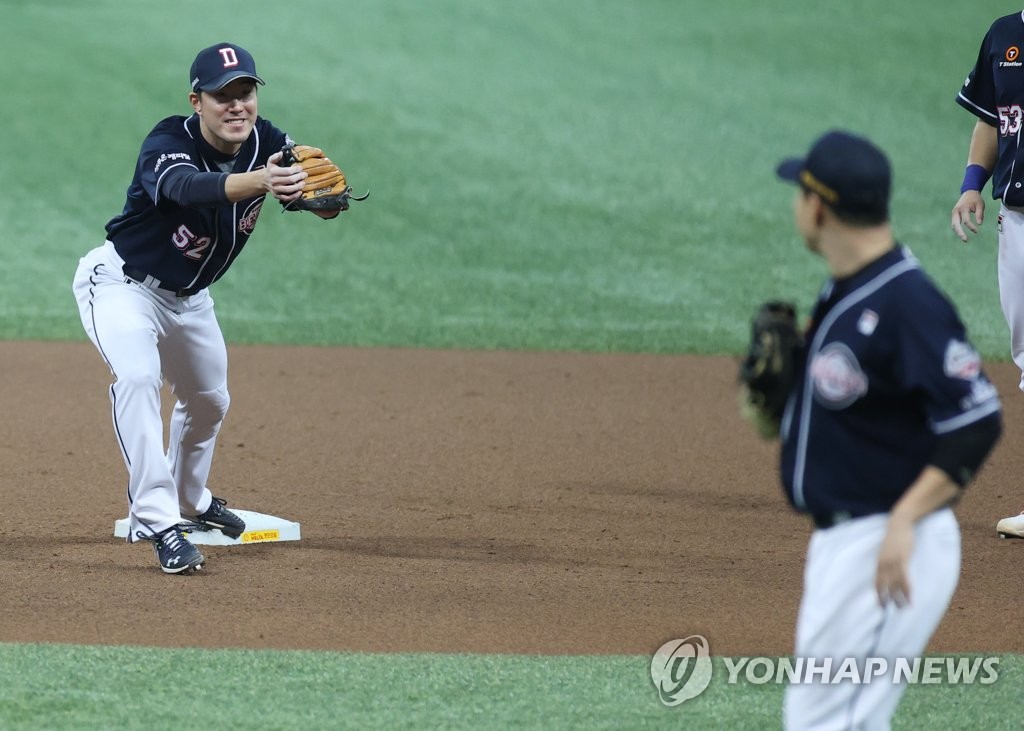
1004, 534
185, 570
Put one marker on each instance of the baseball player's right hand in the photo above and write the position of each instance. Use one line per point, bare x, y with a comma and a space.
971, 204
891, 581
284, 183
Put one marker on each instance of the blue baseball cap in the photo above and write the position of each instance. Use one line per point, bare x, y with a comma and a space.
847, 171
219, 65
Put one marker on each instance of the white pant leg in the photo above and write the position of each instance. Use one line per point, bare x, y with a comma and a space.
125, 324
195, 364
1010, 269
933, 574
840, 618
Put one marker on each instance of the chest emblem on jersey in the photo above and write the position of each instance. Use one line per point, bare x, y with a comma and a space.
837, 376
868, 322
247, 222
961, 361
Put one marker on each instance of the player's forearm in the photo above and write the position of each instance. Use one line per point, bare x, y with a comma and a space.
191, 188
932, 490
984, 147
957, 458
239, 186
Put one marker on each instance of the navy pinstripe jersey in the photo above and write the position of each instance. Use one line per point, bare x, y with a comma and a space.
886, 370
188, 246
994, 92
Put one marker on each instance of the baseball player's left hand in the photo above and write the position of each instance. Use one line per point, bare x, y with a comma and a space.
891, 580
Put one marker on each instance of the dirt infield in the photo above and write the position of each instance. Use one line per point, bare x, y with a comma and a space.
449, 501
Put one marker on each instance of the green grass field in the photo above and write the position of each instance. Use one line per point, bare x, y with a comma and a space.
587, 175
113, 687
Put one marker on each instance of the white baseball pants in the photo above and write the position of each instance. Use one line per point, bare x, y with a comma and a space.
145, 335
840, 618
1011, 279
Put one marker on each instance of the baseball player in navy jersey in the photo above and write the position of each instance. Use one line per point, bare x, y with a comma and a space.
890, 417
994, 93
197, 191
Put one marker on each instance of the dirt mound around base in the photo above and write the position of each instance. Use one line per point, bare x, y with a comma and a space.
449, 501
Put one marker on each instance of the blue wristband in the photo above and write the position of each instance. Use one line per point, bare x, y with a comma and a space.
975, 177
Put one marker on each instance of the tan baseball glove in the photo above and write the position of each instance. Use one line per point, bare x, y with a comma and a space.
326, 188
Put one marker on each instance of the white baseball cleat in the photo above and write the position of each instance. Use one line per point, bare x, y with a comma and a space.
1012, 527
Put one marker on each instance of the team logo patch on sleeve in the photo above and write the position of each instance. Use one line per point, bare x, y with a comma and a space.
982, 391
837, 376
961, 361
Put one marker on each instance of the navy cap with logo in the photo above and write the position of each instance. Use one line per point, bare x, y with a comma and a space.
219, 65
848, 172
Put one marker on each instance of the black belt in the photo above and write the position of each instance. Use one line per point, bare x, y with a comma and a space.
824, 521
147, 281
830, 520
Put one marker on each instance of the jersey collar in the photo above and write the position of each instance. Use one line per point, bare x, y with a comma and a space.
208, 152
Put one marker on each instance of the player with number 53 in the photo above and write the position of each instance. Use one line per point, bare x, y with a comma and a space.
994, 93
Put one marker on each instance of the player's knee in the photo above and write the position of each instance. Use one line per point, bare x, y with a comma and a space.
210, 407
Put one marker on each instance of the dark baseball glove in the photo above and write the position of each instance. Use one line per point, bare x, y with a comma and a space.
326, 188
768, 372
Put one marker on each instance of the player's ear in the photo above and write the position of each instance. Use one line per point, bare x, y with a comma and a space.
819, 212
195, 101
817, 208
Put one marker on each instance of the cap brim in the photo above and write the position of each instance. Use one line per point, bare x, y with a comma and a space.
790, 169
221, 81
